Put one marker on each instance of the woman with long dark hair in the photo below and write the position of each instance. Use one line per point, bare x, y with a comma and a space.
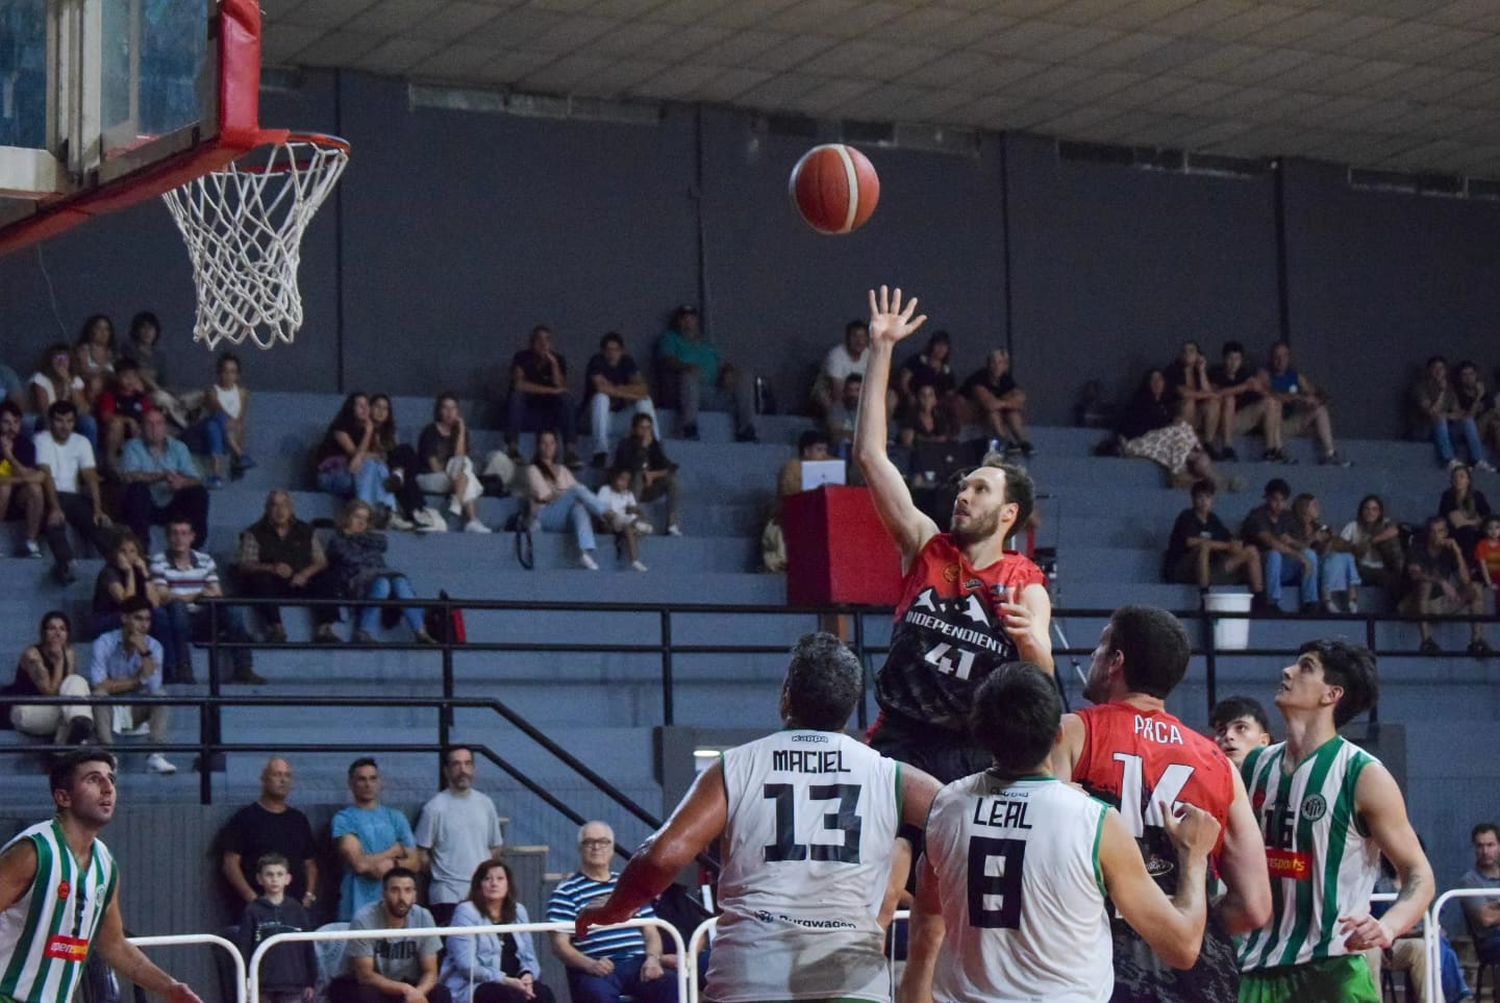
489, 967
1465, 507
49, 668
1151, 430
1376, 543
558, 501
351, 461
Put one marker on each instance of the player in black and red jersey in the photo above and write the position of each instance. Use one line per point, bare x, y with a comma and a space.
967, 604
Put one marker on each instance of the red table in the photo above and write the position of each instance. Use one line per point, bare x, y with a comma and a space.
837, 550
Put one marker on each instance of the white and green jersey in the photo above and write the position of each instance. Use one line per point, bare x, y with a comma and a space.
45, 937
1323, 864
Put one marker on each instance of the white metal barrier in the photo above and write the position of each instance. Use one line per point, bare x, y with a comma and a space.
186, 939
1432, 936
683, 966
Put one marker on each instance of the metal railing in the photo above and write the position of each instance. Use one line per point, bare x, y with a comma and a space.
189, 939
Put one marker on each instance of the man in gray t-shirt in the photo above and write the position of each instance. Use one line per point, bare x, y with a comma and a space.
459, 829
397, 968
1483, 914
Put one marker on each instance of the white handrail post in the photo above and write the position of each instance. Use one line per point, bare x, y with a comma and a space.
183, 940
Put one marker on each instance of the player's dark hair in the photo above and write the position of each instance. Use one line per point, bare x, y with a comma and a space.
1233, 708
271, 860
398, 872
1204, 487
362, 762
809, 439
822, 682
1019, 487
64, 767
1154, 645
1482, 828
1015, 717
1277, 486
1351, 667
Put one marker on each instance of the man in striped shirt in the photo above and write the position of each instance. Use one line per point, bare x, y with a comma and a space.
1328, 811
188, 575
607, 964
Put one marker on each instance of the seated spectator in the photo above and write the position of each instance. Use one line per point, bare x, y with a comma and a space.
1272, 529
930, 367
839, 421
1465, 507
1438, 584
1239, 725
613, 382
812, 446
25, 489
493, 968
1150, 430
288, 973
371, 839
268, 825
1487, 553
1338, 575
1203, 551
927, 422
128, 660
282, 558
181, 576
411, 509
446, 469
1476, 399
1376, 544
10, 387
458, 830
55, 381
143, 346
652, 474
121, 409
607, 964
842, 361
1408, 952
384, 971
999, 403
1483, 914
702, 380
1198, 402
94, 355
623, 516
68, 460
352, 462
125, 576
1244, 406
226, 406
557, 501
1436, 407
1303, 405
539, 397
49, 668
356, 563
161, 482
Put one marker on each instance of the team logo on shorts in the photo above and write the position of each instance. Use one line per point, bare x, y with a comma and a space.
1314, 807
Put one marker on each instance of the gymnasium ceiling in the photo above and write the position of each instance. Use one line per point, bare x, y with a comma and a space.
1400, 84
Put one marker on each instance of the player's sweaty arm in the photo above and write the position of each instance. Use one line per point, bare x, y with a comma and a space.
1378, 801
1173, 928
924, 938
1242, 864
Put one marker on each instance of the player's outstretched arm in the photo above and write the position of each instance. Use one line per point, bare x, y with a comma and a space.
17, 872
890, 322
1173, 928
1378, 801
128, 962
1242, 863
696, 823
924, 939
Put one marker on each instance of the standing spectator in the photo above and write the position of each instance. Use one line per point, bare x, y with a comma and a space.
1487, 553
1244, 405
457, 831
143, 346
539, 397
351, 463
1439, 584
446, 469
49, 668
492, 968
182, 576
927, 422
1338, 575
930, 367
1483, 915
1151, 430
613, 382
558, 501
121, 410
226, 406
652, 474
25, 488
1437, 407
607, 964
371, 839
1376, 544
1198, 402
1303, 405
842, 361
289, 973
356, 562
702, 380
128, 660
282, 558
268, 825
94, 354
382, 971
1239, 725
1202, 549
125, 576
1465, 507
812, 447
839, 421
623, 516
68, 460
999, 402
161, 482
55, 381
1272, 528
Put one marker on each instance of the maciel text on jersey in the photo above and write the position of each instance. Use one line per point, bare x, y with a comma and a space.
808, 761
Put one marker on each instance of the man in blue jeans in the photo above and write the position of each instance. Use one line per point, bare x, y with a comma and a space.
1288, 561
607, 964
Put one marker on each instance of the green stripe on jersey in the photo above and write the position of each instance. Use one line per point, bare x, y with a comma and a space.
1323, 761
39, 884
1257, 776
1344, 813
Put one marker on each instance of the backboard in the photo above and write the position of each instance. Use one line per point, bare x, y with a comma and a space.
105, 103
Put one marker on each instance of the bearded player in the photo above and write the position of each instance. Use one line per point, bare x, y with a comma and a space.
967, 604
58, 897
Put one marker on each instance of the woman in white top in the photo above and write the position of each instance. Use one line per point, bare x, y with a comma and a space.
558, 500
1377, 544
55, 381
94, 354
624, 517
227, 405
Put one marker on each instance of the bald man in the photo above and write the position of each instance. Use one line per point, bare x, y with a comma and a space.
270, 825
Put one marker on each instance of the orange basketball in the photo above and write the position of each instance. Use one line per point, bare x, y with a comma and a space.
835, 188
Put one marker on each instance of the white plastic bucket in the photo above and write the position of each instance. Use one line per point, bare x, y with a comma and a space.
1229, 635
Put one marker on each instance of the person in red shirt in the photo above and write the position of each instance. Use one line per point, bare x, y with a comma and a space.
121, 408
1130, 753
967, 604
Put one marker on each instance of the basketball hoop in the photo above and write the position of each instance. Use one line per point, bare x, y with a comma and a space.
243, 227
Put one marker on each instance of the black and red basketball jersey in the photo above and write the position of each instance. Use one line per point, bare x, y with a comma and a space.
948, 635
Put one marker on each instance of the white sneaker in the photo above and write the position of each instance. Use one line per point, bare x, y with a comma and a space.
398, 521
1454, 464
475, 526
587, 560
674, 530
1486, 466
455, 506
157, 763
637, 565
644, 528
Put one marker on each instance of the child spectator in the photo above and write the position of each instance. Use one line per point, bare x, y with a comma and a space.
558, 501
653, 475
227, 407
623, 516
1487, 553
122, 408
289, 973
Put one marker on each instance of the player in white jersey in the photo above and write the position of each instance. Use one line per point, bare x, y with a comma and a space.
58, 894
808, 820
1011, 887
1328, 810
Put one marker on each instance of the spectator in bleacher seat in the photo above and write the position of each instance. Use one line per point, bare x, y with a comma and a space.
1465, 507
1150, 430
371, 840
1338, 573
1244, 406
49, 668
1483, 914
25, 490
1439, 584
1375, 542
128, 660
843, 360
94, 355
1303, 405
121, 410
623, 516
55, 381
1272, 528
1202, 550
613, 382
289, 973
281, 557
1198, 402
446, 469
493, 968
268, 825
927, 422
1487, 553
143, 346
999, 403
458, 830
839, 421
356, 562
812, 447
125, 576
703, 380
1476, 397
10, 387
558, 502
161, 482
182, 576
607, 964
1435, 405
68, 459
226, 407
352, 462
401, 457
404, 969
652, 474
931, 367
1239, 725
539, 396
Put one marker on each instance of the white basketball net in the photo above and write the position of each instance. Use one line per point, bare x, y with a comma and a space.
243, 226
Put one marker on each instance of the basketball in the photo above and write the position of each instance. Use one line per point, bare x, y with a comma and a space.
835, 188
